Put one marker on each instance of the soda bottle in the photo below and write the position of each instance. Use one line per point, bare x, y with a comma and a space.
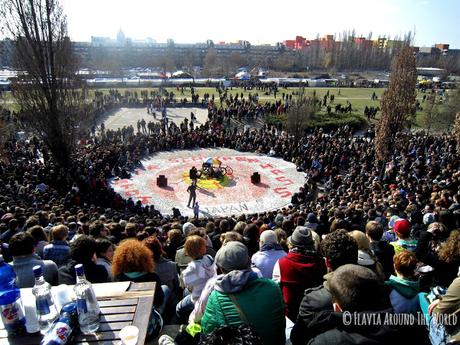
61, 331
46, 309
11, 307
87, 305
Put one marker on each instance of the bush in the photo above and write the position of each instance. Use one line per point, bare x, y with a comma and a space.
328, 122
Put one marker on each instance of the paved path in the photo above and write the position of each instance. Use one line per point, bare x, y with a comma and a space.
129, 116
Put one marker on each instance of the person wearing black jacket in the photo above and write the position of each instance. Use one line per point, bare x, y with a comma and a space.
381, 249
193, 174
445, 261
83, 251
339, 249
192, 191
133, 261
359, 315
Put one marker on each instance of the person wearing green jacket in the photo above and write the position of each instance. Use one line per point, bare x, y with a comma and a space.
240, 297
404, 286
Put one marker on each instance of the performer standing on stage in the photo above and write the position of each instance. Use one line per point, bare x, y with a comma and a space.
192, 191
193, 174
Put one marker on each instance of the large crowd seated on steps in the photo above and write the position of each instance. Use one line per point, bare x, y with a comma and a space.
370, 244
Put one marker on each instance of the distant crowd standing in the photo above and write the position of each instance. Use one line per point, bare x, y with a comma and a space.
335, 267
223, 105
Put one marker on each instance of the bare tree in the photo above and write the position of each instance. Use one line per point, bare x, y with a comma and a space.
46, 87
450, 108
430, 113
398, 102
300, 113
6, 132
210, 63
456, 130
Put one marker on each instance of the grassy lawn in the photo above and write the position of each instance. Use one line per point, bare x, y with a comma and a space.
358, 97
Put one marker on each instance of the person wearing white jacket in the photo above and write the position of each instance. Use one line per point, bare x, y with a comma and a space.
196, 274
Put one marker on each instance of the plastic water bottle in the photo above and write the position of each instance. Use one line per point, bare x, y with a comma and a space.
11, 307
61, 331
46, 310
87, 305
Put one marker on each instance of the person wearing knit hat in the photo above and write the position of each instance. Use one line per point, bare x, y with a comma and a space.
300, 269
232, 256
402, 229
240, 297
269, 253
301, 238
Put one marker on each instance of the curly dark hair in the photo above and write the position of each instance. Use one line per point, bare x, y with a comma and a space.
339, 249
230, 335
450, 251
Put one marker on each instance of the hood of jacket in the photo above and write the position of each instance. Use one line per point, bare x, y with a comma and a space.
327, 279
207, 266
234, 281
407, 288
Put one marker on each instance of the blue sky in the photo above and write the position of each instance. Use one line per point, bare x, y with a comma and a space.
261, 21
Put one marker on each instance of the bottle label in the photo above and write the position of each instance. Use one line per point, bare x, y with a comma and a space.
12, 315
43, 307
59, 335
81, 305
62, 331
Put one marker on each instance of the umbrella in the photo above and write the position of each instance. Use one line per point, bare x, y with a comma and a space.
212, 161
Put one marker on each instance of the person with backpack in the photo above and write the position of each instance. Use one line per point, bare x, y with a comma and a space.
240, 297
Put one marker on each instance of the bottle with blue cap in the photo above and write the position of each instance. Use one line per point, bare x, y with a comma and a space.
62, 330
47, 313
87, 305
11, 308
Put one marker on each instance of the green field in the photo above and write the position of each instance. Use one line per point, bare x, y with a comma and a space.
358, 97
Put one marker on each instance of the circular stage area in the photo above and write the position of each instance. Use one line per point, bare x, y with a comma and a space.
230, 194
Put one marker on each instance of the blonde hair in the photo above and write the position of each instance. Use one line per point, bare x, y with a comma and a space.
230, 236
361, 239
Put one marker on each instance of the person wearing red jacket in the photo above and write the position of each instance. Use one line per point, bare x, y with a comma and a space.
303, 267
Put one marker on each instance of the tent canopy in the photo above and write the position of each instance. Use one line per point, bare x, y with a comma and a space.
243, 75
181, 74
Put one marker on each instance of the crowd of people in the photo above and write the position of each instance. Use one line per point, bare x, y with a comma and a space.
223, 105
336, 266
